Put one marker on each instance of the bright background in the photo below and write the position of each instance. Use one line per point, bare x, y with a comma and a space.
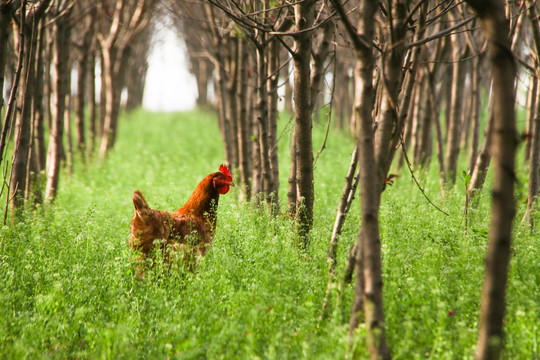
169, 85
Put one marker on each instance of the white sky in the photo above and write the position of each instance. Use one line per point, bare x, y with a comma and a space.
169, 85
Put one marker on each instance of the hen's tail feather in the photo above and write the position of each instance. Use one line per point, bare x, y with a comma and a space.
141, 206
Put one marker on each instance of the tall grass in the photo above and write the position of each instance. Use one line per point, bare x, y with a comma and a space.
67, 288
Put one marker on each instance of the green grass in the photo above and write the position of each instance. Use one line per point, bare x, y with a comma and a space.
67, 288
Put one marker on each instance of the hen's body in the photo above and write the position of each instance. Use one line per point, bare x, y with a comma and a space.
189, 228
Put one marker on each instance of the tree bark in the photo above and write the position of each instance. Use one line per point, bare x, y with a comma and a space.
292, 190
273, 82
21, 153
243, 124
263, 122
456, 110
304, 17
495, 27
531, 115
534, 163
92, 106
476, 115
534, 169
320, 55
481, 165
7, 10
368, 241
389, 122
39, 109
128, 20
61, 89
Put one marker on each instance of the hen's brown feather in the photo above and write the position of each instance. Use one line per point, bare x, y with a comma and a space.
189, 228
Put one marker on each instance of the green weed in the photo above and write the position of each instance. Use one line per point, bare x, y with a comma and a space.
68, 290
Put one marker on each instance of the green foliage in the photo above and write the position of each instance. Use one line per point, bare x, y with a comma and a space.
67, 288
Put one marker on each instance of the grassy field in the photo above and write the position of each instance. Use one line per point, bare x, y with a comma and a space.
67, 288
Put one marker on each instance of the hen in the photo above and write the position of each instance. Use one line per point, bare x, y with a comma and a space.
190, 228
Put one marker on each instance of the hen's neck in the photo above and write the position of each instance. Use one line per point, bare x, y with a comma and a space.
203, 201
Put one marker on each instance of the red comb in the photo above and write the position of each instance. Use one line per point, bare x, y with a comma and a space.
225, 170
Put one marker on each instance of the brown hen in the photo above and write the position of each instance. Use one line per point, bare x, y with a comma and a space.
190, 228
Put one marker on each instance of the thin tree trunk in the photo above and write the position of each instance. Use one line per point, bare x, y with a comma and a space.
490, 337
82, 83
21, 153
39, 116
8, 119
481, 165
231, 105
438, 130
292, 192
243, 125
388, 133
347, 196
92, 116
7, 10
531, 115
61, 83
456, 110
369, 243
263, 122
273, 81
69, 141
320, 55
534, 128
109, 87
304, 17
534, 169
476, 115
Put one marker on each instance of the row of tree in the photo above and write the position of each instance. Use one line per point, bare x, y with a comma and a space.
411, 75
44, 42
421, 73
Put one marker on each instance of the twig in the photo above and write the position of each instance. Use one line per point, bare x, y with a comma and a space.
14, 88
414, 177
323, 146
351, 184
442, 33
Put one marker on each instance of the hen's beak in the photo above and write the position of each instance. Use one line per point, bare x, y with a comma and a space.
230, 183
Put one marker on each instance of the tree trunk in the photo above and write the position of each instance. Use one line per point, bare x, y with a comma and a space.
490, 337
368, 242
388, 133
7, 10
263, 123
476, 115
138, 67
320, 55
273, 82
231, 107
534, 169
92, 116
531, 115
534, 128
292, 191
111, 89
347, 196
481, 165
39, 116
304, 17
456, 110
61, 89
243, 124
202, 77
21, 153
82, 78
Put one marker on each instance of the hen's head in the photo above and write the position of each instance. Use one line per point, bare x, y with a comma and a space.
223, 180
